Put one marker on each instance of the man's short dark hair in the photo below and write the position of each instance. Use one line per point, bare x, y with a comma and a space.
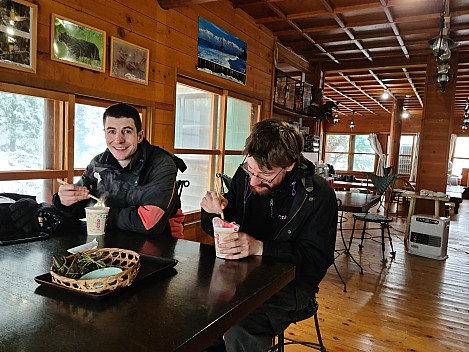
274, 143
123, 111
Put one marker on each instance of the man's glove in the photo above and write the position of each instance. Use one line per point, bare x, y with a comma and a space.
48, 219
6, 225
22, 213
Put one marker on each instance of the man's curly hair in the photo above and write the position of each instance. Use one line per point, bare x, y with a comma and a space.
274, 143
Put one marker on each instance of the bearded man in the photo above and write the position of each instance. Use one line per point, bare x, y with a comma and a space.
285, 212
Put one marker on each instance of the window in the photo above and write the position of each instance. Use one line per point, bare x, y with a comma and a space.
363, 154
37, 134
27, 144
337, 148
210, 130
460, 157
349, 152
405, 155
89, 134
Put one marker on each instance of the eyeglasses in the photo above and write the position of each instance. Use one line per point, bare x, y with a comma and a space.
244, 166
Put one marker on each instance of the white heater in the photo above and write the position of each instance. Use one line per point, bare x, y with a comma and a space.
429, 236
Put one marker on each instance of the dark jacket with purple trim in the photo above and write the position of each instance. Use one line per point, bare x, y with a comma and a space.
297, 223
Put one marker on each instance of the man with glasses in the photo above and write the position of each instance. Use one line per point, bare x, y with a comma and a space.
285, 212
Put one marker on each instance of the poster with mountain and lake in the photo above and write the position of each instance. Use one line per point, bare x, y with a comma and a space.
221, 53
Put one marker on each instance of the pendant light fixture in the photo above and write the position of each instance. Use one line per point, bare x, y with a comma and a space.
352, 122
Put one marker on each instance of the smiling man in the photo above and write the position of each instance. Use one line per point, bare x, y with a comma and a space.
285, 212
136, 179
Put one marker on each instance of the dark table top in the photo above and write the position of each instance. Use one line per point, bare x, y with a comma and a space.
356, 202
180, 309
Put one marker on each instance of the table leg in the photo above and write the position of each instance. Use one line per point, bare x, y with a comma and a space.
437, 208
346, 249
409, 216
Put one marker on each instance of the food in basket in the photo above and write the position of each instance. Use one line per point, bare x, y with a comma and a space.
69, 271
76, 265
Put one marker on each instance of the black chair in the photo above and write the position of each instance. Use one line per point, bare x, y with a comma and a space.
310, 311
225, 182
181, 184
387, 170
382, 184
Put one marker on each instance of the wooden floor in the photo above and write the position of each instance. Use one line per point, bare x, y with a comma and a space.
411, 304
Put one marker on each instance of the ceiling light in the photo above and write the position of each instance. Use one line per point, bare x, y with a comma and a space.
441, 47
405, 114
465, 121
352, 122
336, 119
385, 95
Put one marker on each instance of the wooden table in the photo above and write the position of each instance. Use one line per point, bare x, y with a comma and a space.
183, 310
413, 198
455, 196
356, 202
350, 185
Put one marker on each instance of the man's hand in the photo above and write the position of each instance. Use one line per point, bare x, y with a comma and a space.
240, 245
212, 204
70, 194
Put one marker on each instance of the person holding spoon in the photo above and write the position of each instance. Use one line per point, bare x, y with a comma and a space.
134, 178
285, 212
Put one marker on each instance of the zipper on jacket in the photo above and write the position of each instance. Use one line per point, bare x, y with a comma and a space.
294, 215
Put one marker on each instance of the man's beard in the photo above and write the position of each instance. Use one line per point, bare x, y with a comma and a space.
262, 190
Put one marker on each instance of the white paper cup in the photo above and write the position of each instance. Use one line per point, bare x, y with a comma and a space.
220, 233
96, 220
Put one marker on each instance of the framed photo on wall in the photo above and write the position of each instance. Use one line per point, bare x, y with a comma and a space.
18, 35
77, 44
221, 53
129, 61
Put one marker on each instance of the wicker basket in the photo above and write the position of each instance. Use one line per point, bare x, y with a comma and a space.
128, 261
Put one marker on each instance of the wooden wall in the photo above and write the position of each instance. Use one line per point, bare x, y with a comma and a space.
372, 124
171, 36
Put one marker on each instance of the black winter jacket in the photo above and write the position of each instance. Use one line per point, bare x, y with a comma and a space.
297, 223
149, 179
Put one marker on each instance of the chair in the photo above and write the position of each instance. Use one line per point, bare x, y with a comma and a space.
381, 184
310, 311
387, 170
401, 185
181, 184
225, 182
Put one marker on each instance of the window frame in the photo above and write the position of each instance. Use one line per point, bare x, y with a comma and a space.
218, 153
64, 131
458, 157
406, 155
350, 152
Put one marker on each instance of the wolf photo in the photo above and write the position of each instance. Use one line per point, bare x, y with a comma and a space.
78, 44
129, 61
18, 33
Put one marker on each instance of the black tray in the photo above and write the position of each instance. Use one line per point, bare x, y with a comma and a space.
23, 237
150, 266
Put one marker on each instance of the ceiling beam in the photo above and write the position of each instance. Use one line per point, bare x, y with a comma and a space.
289, 57
172, 4
360, 64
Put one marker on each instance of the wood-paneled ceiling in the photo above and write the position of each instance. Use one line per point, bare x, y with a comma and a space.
365, 46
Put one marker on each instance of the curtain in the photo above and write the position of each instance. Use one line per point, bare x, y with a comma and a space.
415, 159
452, 145
376, 146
